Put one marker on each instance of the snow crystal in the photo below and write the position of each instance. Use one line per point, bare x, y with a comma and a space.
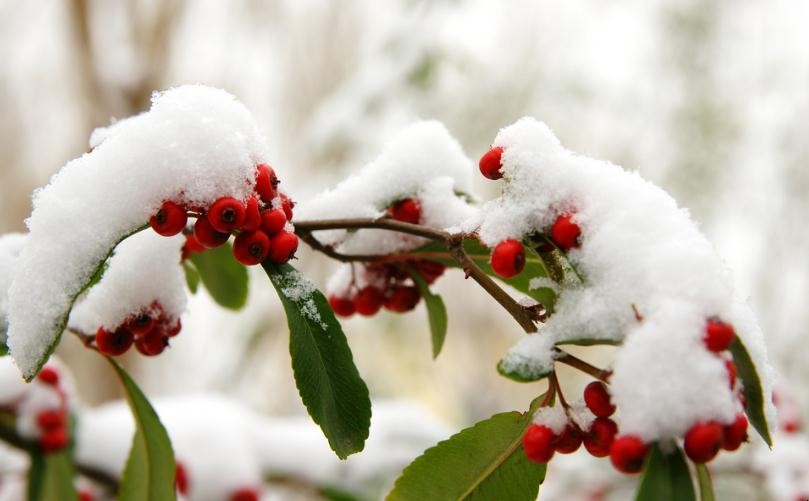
194, 145
298, 289
581, 414
532, 357
552, 417
10, 246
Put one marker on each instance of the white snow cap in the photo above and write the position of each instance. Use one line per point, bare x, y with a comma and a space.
193, 146
637, 249
10, 246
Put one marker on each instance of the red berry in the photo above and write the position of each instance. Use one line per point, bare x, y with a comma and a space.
490, 163
251, 247
368, 301
207, 236
538, 443
266, 181
569, 441
181, 478
226, 215
407, 210
565, 233
169, 220
718, 335
54, 440
627, 454
86, 496
49, 375
402, 299
342, 306
598, 399
702, 442
508, 258
191, 246
791, 426
245, 494
735, 433
51, 419
283, 247
152, 344
140, 324
429, 270
287, 205
113, 343
273, 221
731, 367
174, 328
252, 215
599, 439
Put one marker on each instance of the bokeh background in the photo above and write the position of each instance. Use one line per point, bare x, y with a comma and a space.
709, 99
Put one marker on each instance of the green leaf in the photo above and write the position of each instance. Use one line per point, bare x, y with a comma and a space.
192, 277
328, 381
752, 389
50, 477
484, 462
223, 276
3, 350
436, 312
705, 483
666, 477
518, 376
150, 468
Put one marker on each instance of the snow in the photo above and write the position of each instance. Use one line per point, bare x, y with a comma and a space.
298, 289
552, 417
10, 246
194, 145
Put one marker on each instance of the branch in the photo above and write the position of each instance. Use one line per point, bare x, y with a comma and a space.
577, 363
382, 223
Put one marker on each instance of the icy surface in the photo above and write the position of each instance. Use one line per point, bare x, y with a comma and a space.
194, 145
10, 247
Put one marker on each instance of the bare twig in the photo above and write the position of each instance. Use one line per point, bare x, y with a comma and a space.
577, 363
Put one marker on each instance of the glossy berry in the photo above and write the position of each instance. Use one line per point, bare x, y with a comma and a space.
598, 399
429, 270
731, 368
152, 344
191, 246
207, 236
407, 210
598, 439
181, 478
282, 247
245, 494
508, 258
169, 220
287, 205
565, 233
538, 443
735, 433
273, 221
251, 247
702, 442
368, 301
113, 343
54, 440
48, 375
342, 306
718, 335
569, 441
51, 419
627, 454
490, 163
140, 324
226, 215
402, 299
266, 182
252, 215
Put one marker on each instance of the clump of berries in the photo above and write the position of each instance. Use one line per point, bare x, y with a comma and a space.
148, 330
51, 419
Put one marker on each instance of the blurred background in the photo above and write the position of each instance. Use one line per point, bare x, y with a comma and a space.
709, 99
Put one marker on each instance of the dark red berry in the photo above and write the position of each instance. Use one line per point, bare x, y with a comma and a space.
113, 343
51, 419
152, 344
703, 440
251, 247
599, 439
598, 399
565, 233
181, 478
508, 258
174, 328
407, 210
273, 221
54, 440
368, 301
86, 496
207, 236
245, 494
569, 441
490, 163
731, 367
191, 246
140, 324
429, 270
48, 375
169, 220
628, 453
718, 335
287, 205
342, 306
252, 215
402, 299
266, 182
735, 433
226, 215
538, 443
283, 246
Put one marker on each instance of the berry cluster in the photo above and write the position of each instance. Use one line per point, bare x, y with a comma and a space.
259, 223
149, 330
52, 422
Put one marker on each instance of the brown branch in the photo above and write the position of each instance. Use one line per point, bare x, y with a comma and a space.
577, 363
382, 223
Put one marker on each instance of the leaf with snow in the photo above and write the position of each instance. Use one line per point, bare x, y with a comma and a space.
328, 381
50, 477
665, 477
436, 312
224, 277
753, 393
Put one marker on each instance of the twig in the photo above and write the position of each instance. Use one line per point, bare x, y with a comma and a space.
372, 223
577, 363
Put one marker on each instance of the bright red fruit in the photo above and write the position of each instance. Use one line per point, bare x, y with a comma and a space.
718, 335
599, 439
181, 478
508, 258
731, 367
266, 182
48, 375
251, 247
627, 454
282, 247
245, 494
273, 221
192, 246
252, 215
368, 301
735, 433
226, 215
207, 236
173, 329
169, 220
152, 344
703, 440
429, 270
565, 233
140, 324
407, 210
51, 419
86, 496
569, 441
538, 443
402, 299
113, 343
287, 205
342, 306
490, 163
54, 440
598, 399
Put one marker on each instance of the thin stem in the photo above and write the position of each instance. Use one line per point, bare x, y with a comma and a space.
577, 363
555, 383
372, 223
